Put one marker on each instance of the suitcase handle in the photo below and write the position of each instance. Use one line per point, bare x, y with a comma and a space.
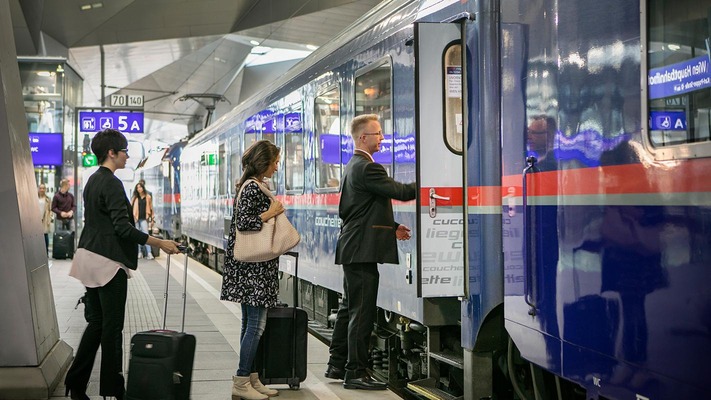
182, 249
294, 254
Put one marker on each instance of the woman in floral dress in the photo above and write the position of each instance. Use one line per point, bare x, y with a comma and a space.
254, 285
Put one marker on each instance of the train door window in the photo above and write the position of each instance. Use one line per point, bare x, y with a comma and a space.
293, 159
373, 95
235, 163
222, 170
327, 132
678, 71
452, 66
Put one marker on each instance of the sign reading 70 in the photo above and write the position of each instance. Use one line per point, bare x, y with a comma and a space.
126, 122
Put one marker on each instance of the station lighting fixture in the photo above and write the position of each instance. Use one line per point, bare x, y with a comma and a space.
311, 47
91, 6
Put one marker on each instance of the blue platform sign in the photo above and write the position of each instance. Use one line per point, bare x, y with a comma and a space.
46, 148
126, 122
686, 76
667, 120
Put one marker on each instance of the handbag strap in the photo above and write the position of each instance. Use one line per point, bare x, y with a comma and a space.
259, 184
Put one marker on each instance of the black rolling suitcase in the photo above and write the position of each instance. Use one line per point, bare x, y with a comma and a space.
62, 245
161, 364
281, 356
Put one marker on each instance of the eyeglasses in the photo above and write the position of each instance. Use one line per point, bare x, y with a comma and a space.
373, 134
124, 150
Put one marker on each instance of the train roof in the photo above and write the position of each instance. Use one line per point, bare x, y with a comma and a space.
381, 22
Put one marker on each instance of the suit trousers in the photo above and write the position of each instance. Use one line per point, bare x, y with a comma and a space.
104, 311
355, 318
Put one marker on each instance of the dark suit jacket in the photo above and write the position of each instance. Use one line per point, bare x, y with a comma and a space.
368, 229
109, 228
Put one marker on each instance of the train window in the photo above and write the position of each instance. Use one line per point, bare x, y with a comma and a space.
235, 163
293, 159
222, 170
452, 66
373, 95
678, 78
327, 132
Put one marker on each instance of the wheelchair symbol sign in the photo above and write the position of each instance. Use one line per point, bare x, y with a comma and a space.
106, 122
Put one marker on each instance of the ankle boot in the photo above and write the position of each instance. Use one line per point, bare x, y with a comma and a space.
242, 389
257, 385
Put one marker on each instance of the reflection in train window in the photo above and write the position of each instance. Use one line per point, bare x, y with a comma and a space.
327, 132
373, 95
679, 72
235, 162
452, 65
222, 169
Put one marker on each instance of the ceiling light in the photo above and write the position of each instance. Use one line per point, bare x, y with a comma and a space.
97, 5
85, 7
673, 47
254, 42
44, 73
311, 47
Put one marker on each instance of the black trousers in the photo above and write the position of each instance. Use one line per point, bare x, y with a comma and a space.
104, 310
355, 318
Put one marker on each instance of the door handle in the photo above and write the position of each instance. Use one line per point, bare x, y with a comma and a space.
433, 202
529, 282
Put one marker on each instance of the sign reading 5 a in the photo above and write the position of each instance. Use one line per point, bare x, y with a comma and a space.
126, 122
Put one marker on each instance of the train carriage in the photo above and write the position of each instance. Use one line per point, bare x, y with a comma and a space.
560, 240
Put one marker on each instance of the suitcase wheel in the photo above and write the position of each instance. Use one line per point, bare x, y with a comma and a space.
294, 384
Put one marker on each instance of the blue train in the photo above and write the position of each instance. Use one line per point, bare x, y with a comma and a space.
561, 234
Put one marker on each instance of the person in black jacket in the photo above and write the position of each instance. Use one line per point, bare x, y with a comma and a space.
106, 254
368, 237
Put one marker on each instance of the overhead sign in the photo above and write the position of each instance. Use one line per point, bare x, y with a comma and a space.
667, 120
127, 100
46, 148
686, 76
126, 122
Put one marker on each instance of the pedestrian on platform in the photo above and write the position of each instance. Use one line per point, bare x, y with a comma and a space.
253, 284
107, 253
45, 209
143, 214
368, 237
64, 207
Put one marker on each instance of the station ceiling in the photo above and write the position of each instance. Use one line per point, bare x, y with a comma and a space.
167, 49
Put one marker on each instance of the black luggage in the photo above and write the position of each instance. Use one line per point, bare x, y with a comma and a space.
62, 245
161, 363
281, 355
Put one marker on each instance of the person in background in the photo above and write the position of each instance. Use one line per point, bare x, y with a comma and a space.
253, 284
45, 209
103, 262
143, 214
63, 206
368, 237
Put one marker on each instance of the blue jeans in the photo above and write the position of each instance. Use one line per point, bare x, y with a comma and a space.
143, 227
254, 319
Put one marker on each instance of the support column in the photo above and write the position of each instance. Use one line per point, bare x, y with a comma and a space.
33, 358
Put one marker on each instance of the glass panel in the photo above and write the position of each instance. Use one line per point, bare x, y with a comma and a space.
373, 96
327, 131
293, 150
679, 76
453, 97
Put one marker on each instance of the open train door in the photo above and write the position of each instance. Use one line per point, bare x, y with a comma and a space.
441, 124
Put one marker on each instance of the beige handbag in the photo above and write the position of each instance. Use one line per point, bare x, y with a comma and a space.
276, 237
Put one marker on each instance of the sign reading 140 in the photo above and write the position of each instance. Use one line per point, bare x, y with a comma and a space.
126, 122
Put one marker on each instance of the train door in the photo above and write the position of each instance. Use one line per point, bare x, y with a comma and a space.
441, 121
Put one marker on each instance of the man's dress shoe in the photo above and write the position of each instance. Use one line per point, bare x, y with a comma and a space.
335, 373
364, 383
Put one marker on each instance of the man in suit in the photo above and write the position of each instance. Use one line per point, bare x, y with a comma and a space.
368, 237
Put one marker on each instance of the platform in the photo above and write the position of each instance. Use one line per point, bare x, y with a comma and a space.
216, 325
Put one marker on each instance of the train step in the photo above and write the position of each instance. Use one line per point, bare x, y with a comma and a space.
426, 388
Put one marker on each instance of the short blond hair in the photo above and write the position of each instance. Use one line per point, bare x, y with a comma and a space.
359, 123
64, 182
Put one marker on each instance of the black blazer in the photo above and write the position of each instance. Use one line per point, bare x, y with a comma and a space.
368, 229
109, 228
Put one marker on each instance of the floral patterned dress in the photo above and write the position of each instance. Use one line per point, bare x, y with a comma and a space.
252, 283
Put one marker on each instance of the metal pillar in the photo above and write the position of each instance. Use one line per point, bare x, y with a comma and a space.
32, 356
